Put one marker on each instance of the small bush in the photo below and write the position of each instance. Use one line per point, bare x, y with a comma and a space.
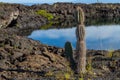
89, 64
81, 79
110, 53
67, 76
45, 14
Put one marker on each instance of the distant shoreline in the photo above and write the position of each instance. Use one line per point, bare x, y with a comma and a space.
30, 4
62, 12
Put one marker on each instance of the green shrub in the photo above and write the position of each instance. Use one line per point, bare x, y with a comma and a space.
45, 14
89, 64
67, 76
46, 26
89, 67
110, 53
81, 79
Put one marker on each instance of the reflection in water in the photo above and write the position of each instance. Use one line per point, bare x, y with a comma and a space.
103, 38
100, 37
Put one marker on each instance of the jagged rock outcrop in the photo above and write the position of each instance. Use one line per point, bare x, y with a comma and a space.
7, 15
66, 10
61, 11
19, 16
22, 56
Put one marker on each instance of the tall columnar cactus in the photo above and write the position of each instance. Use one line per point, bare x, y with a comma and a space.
69, 52
81, 44
80, 15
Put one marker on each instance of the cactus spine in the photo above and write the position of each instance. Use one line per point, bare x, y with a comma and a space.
81, 44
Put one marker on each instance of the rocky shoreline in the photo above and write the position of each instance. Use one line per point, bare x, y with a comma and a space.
22, 58
21, 16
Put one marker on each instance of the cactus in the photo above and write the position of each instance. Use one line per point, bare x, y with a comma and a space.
81, 44
80, 15
69, 53
68, 50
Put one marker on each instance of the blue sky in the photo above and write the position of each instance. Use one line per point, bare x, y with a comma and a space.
52, 1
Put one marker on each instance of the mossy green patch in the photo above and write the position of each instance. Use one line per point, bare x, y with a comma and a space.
67, 76
89, 64
81, 79
45, 14
110, 53
46, 26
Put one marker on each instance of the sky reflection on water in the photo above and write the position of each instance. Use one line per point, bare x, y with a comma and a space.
97, 37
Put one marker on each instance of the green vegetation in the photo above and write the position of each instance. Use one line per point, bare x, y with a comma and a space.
89, 67
67, 76
89, 64
81, 79
110, 53
45, 14
46, 26
60, 75
113, 54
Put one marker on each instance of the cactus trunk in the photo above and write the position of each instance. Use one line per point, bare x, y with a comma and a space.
81, 44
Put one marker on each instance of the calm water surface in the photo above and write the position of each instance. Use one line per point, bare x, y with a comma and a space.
105, 37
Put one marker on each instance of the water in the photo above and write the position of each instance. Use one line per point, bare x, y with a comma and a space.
105, 37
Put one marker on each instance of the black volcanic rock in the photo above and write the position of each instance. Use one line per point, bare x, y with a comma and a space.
21, 55
27, 17
22, 58
19, 16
